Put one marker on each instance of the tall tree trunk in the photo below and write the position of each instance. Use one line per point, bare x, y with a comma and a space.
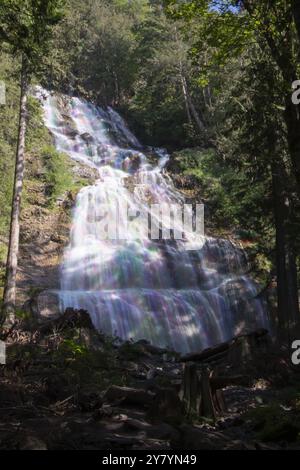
292, 274
117, 89
282, 294
296, 14
292, 119
292, 281
190, 108
195, 115
9, 298
184, 90
185, 96
287, 282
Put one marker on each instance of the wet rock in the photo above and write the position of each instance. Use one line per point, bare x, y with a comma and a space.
79, 318
86, 172
87, 137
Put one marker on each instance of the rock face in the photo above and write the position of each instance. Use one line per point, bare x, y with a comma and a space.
44, 233
47, 305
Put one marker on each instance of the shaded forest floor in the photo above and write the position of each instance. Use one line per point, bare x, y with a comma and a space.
67, 387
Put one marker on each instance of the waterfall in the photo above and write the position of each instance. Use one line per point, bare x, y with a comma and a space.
182, 294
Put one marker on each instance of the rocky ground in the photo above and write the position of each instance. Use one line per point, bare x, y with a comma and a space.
65, 386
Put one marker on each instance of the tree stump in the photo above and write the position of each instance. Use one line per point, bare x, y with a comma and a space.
196, 392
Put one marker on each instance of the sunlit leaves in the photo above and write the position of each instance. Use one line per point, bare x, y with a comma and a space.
216, 29
27, 26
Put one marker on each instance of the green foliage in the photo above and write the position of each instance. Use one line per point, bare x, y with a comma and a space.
8, 135
230, 202
73, 348
8, 130
216, 28
131, 56
42, 160
55, 167
94, 50
57, 176
27, 27
274, 423
72, 363
83, 366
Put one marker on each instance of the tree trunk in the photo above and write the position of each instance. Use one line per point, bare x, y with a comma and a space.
280, 247
9, 298
287, 285
292, 280
195, 115
185, 96
196, 393
190, 108
292, 119
292, 274
296, 15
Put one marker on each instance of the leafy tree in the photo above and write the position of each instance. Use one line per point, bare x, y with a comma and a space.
129, 55
261, 38
229, 31
25, 29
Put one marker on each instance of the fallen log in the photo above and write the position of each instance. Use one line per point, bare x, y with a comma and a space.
207, 353
221, 350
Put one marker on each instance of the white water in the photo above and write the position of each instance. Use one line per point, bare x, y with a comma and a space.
186, 295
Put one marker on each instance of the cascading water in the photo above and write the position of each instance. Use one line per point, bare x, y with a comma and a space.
185, 295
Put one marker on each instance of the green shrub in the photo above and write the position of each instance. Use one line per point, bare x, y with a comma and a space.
274, 423
57, 176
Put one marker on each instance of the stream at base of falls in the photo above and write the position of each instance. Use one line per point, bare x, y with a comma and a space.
185, 295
